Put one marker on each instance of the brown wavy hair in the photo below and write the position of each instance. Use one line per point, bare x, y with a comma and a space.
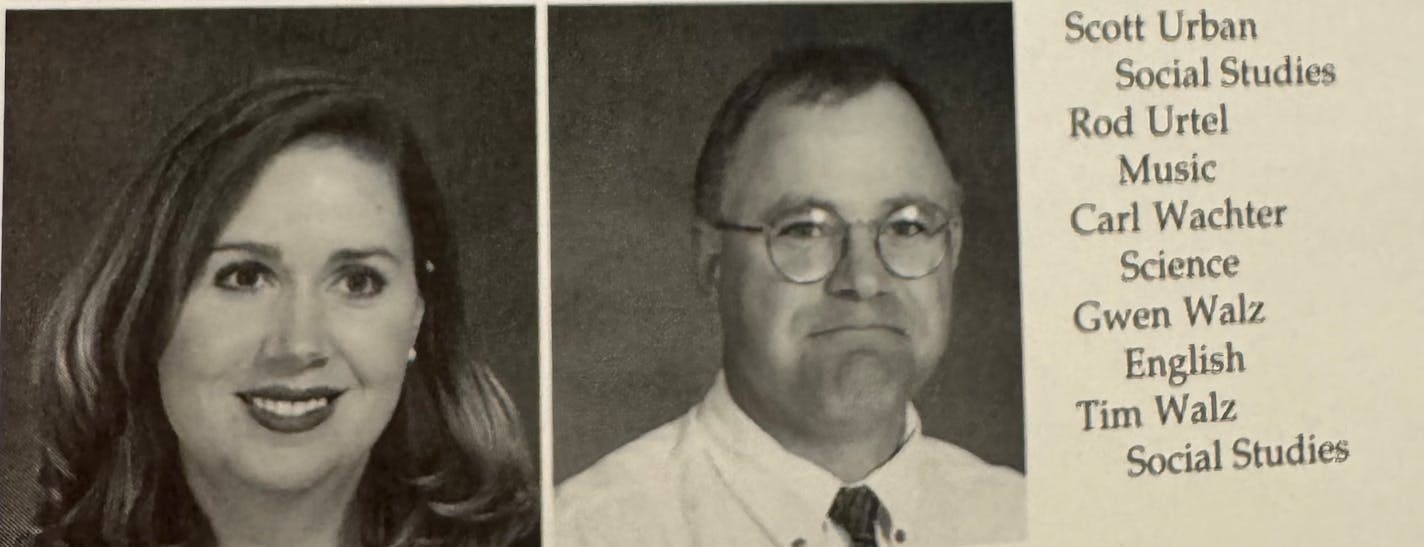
451, 468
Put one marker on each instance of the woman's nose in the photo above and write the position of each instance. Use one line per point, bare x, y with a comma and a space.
299, 335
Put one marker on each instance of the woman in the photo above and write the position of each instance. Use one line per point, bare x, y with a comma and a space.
264, 346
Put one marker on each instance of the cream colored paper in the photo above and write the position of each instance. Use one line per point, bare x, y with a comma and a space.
1342, 278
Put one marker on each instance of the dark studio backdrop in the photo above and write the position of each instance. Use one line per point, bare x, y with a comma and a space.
88, 95
632, 93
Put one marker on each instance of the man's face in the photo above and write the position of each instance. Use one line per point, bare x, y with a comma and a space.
843, 354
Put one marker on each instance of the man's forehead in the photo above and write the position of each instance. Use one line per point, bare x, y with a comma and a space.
857, 155
794, 202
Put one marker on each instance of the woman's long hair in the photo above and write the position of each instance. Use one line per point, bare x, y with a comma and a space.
452, 466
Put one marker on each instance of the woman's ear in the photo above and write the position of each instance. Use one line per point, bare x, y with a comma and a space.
709, 256
418, 316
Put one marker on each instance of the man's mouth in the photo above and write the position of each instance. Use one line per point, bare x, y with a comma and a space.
853, 328
290, 410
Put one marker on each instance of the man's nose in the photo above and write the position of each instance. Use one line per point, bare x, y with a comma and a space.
859, 274
299, 335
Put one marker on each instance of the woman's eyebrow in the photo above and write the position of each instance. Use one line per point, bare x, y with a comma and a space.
351, 255
260, 249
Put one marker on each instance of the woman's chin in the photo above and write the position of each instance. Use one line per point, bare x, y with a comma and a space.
279, 472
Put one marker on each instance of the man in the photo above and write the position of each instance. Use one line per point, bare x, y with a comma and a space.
829, 229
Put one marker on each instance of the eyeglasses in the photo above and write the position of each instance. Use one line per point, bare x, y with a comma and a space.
805, 245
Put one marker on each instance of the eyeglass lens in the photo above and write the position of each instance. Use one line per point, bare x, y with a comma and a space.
806, 246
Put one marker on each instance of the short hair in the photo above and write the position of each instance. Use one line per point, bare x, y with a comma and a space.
808, 75
452, 466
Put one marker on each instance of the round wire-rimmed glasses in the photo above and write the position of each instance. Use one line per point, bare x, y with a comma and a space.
807, 244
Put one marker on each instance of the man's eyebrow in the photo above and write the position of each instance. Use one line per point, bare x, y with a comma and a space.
793, 203
260, 249
903, 200
797, 202
352, 255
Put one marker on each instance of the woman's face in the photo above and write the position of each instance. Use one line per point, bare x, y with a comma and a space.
289, 351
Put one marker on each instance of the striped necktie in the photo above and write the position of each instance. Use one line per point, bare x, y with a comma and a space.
854, 510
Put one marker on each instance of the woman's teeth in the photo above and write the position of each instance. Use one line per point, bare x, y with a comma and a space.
289, 408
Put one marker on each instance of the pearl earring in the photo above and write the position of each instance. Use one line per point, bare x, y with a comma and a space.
410, 356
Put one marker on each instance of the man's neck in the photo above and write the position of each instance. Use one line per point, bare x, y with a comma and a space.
850, 450
849, 460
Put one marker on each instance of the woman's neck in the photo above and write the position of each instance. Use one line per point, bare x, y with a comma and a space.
242, 515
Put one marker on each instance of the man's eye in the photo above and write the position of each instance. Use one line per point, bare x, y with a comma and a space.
913, 221
906, 228
804, 229
243, 276
362, 283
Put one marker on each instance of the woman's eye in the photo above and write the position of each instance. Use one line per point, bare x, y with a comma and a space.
243, 276
362, 283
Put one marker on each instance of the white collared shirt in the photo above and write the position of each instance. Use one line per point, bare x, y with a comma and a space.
714, 478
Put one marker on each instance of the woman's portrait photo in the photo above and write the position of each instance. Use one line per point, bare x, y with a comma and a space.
270, 278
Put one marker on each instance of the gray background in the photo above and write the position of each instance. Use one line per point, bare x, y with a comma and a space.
632, 93
89, 94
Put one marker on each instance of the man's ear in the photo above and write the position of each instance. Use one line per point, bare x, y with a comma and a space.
956, 241
708, 240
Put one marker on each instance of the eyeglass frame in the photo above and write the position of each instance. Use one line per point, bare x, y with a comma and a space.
878, 225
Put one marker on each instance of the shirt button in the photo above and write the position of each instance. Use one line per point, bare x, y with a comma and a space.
900, 536
798, 543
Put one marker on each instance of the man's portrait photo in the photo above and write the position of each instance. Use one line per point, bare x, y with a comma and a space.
785, 290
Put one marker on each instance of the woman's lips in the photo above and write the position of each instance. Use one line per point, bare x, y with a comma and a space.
290, 410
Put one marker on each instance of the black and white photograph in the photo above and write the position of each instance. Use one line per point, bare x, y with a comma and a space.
785, 276
709, 273
270, 277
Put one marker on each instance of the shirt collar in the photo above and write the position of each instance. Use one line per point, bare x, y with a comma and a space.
898, 482
786, 493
